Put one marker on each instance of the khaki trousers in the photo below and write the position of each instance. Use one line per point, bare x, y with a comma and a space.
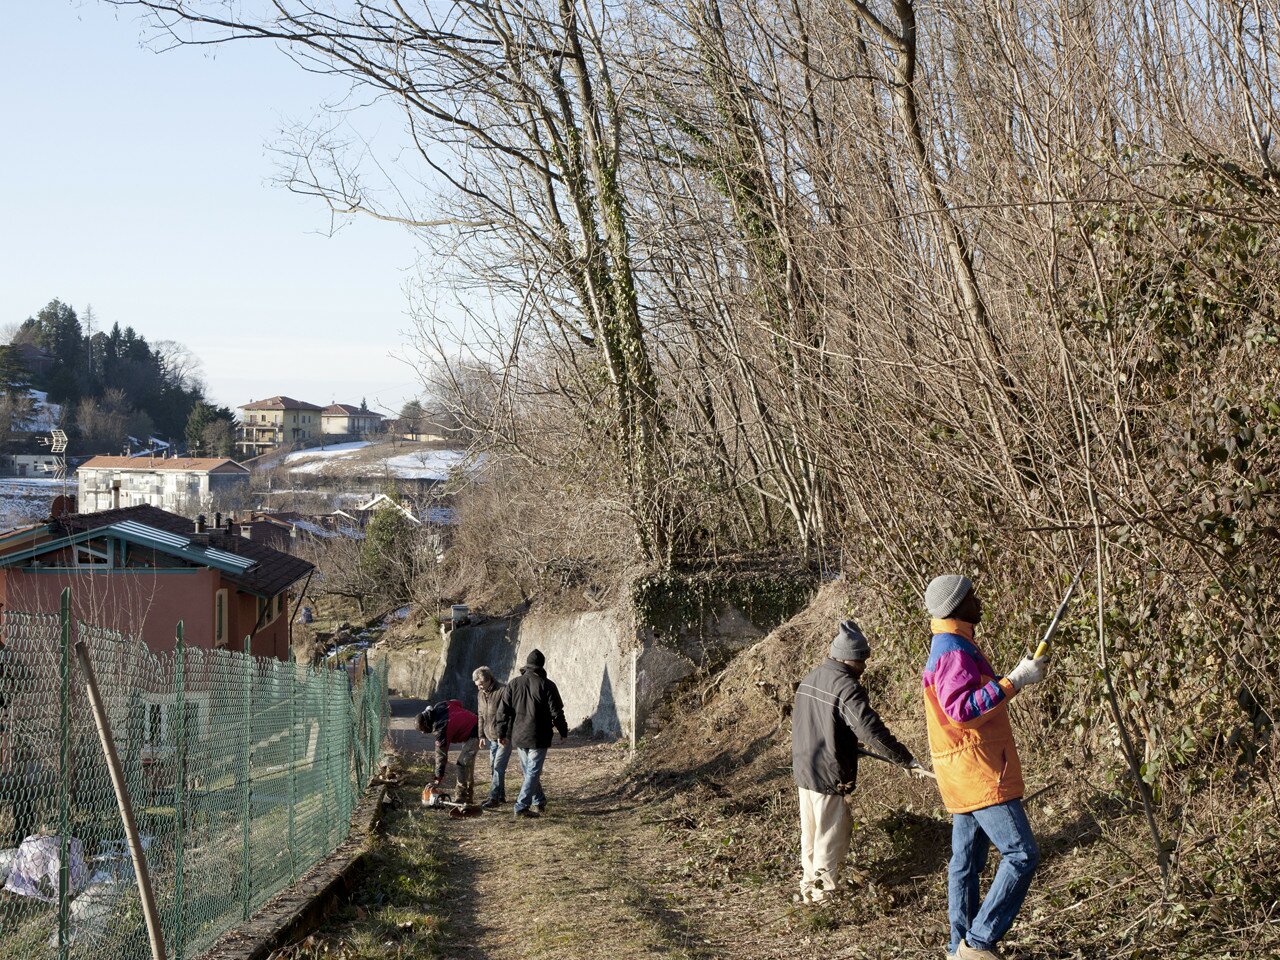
463, 791
825, 827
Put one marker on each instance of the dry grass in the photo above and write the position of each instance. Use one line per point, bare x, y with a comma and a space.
394, 910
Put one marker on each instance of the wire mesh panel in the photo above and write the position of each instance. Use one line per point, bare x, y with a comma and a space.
242, 773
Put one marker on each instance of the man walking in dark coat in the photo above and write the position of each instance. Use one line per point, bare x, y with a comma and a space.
832, 714
529, 710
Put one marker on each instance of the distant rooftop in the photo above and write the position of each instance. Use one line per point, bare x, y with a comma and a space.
175, 464
348, 410
279, 403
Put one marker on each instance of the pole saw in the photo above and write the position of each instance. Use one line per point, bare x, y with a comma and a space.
1049, 634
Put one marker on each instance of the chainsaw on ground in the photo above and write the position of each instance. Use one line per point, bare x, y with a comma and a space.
434, 797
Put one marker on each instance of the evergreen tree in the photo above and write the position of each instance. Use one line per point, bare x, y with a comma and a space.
15, 381
209, 429
57, 330
387, 554
160, 382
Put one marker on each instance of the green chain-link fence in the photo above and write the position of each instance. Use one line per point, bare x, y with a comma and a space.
243, 772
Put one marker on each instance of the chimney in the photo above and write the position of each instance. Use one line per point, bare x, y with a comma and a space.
246, 530
200, 523
217, 521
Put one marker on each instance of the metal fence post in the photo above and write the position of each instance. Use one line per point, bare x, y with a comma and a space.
293, 769
246, 884
64, 778
179, 794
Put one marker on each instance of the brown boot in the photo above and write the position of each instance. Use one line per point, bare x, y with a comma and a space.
966, 952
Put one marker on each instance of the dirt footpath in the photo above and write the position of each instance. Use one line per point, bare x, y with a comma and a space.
597, 877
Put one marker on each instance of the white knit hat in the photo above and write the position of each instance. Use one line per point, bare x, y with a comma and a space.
944, 594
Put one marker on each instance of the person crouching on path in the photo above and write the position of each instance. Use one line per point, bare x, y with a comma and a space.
979, 776
452, 723
528, 711
488, 695
832, 714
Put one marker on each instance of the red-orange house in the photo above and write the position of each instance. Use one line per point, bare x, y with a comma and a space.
141, 569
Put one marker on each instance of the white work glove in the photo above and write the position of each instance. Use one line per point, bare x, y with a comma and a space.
917, 771
1028, 671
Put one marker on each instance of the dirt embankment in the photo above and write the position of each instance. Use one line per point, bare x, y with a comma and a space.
720, 772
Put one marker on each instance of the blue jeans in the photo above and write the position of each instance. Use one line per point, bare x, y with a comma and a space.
531, 789
498, 757
1006, 826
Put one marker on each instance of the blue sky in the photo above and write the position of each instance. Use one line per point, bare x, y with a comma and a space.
139, 182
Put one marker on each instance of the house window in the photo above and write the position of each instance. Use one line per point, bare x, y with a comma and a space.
157, 724
268, 610
221, 629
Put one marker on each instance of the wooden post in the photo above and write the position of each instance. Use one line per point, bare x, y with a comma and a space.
103, 723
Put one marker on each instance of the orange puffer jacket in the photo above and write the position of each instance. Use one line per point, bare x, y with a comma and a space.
970, 737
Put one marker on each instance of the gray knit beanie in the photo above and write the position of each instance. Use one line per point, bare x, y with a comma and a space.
944, 594
849, 643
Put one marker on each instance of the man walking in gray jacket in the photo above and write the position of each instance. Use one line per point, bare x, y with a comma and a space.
832, 714
488, 694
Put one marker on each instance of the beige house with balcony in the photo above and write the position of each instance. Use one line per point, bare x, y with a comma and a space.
266, 424
345, 420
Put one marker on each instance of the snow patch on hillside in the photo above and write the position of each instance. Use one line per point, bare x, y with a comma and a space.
330, 451
426, 465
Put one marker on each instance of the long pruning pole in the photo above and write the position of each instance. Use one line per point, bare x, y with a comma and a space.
154, 933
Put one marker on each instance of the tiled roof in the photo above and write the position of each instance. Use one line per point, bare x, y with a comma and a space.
177, 464
347, 410
272, 572
280, 403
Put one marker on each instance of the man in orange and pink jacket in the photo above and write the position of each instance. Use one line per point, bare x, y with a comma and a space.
979, 776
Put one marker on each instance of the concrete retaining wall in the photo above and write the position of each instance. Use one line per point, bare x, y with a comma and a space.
414, 673
589, 656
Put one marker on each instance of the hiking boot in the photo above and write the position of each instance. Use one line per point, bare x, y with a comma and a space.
527, 815
966, 952
490, 804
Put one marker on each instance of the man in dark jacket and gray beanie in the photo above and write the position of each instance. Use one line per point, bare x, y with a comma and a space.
832, 714
529, 710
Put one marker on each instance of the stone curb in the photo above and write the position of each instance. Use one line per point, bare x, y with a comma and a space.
300, 908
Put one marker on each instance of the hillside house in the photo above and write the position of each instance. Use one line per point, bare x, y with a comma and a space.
266, 424
287, 530
176, 484
29, 464
140, 570
425, 429
345, 420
